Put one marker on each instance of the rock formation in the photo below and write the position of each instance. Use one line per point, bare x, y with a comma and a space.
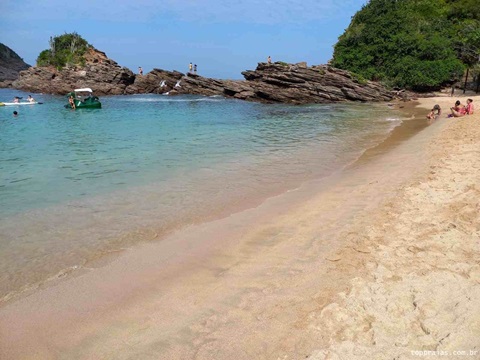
100, 73
10, 65
270, 83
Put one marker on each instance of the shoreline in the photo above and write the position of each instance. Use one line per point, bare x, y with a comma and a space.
132, 236
248, 292
418, 293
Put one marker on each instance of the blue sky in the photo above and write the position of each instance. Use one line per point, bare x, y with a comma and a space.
223, 37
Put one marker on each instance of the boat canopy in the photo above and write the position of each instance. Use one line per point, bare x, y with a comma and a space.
83, 90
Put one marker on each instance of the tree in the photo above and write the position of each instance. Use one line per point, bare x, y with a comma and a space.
416, 44
66, 49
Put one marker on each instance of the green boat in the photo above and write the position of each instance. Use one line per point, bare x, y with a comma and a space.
83, 99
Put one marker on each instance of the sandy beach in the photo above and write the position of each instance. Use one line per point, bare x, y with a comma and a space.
380, 261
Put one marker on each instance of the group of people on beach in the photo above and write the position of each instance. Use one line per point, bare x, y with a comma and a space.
458, 110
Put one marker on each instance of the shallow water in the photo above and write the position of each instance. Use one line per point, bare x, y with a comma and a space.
76, 185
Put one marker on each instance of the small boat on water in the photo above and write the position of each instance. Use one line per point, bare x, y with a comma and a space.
83, 99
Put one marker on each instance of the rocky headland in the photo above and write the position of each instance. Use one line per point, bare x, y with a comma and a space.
100, 73
270, 83
10, 66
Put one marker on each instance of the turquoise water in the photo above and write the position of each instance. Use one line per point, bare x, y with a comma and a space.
78, 184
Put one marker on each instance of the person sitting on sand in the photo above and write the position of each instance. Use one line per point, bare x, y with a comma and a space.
434, 113
469, 109
31, 99
71, 102
458, 110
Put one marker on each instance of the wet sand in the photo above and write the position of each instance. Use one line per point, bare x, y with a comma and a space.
359, 265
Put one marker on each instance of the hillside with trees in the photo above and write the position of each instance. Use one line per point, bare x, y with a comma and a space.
416, 44
66, 49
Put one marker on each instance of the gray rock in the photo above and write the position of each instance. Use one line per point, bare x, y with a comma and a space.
10, 66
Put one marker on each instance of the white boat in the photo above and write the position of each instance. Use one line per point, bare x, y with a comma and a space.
18, 103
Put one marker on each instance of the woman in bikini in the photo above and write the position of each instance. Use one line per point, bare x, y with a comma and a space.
71, 102
458, 110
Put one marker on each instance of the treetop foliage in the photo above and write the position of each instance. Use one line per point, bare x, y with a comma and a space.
418, 44
66, 49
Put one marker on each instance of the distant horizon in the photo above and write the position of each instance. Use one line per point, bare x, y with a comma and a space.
223, 38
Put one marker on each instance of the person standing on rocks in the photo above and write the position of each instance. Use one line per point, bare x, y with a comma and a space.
190, 66
269, 60
195, 68
140, 70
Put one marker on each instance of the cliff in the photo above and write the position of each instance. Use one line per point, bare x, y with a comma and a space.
10, 65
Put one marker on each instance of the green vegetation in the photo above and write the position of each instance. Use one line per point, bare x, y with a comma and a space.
66, 49
359, 78
417, 44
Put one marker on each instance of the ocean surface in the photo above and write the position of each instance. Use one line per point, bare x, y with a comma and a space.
79, 185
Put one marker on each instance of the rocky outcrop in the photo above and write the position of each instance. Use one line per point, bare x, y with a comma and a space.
299, 84
174, 83
270, 83
100, 73
10, 66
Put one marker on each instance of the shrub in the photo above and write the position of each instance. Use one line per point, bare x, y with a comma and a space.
66, 49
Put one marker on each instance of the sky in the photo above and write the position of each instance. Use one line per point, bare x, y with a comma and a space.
223, 37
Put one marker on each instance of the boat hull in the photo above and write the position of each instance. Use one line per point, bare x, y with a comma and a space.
86, 105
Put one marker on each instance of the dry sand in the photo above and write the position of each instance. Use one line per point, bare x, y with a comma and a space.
420, 296
377, 262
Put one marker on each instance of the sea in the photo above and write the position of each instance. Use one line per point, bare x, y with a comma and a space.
76, 186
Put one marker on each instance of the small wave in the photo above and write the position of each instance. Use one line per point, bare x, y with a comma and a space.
31, 287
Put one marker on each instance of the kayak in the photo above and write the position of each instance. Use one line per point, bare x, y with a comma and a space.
19, 103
